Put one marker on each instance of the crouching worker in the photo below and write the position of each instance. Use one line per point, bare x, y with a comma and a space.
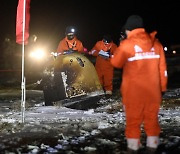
103, 50
144, 79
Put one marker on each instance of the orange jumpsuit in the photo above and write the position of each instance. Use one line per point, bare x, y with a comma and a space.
73, 44
103, 66
144, 77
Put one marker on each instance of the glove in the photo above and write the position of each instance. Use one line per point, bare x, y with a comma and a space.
85, 50
104, 54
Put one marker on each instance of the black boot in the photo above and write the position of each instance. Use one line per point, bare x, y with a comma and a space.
130, 151
150, 150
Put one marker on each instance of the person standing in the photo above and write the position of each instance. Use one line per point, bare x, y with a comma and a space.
103, 50
70, 42
144, 78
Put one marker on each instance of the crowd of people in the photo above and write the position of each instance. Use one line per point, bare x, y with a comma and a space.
141, 57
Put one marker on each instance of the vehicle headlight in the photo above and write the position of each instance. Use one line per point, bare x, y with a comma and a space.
38, 54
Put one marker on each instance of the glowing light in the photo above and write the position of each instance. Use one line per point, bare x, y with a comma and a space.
165, 48
72, 30
174, 52
34, 38
37, 54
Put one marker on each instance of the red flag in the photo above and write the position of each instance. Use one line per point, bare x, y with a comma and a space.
19, 21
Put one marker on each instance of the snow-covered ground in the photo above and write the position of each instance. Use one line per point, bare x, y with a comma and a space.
58, 129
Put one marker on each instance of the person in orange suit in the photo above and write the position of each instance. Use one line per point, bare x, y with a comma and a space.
71, 42
144, 78
103, 50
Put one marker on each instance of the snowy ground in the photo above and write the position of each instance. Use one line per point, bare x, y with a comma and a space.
58, 129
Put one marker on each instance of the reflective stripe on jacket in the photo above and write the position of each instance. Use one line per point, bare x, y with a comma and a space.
142, 58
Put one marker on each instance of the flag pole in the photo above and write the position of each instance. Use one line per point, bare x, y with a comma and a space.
23, 90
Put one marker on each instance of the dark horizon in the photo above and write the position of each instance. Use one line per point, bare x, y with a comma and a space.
92, 19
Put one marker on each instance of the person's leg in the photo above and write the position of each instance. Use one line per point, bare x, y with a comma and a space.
151, 124
134, 117
108, 85
133, 144
100, 76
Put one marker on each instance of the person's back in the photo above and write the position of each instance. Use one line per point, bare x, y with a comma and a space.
144, 77
70, 42
143, 52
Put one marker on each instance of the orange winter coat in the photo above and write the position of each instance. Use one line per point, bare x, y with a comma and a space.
73, 44
144, 67
103, 66
144, 77
101, 62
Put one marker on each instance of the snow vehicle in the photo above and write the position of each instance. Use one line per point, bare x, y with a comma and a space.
70, 79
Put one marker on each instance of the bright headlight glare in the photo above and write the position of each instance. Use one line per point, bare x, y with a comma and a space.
38, 54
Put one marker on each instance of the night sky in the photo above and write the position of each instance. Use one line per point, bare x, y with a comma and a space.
92, 19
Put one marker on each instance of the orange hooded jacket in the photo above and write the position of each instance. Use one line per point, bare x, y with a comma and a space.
144, 78
73, 44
